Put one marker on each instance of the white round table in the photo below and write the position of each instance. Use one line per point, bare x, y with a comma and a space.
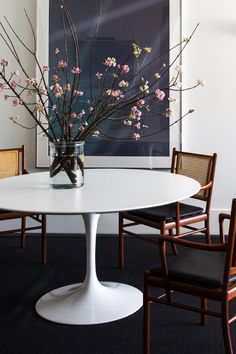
104, 191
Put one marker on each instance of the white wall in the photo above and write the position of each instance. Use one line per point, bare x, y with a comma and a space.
10, 134
211, 55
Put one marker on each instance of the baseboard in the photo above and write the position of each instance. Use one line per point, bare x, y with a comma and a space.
108, 224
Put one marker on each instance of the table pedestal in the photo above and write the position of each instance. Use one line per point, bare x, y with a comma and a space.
90, 302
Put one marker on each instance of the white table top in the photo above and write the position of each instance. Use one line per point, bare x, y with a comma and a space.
104, 191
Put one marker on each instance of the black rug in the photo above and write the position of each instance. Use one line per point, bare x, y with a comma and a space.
23, 280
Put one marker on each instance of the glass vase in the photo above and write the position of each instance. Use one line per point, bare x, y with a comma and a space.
67, 164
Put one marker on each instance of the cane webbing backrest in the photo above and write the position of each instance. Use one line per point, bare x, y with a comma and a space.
195, 166
9, 163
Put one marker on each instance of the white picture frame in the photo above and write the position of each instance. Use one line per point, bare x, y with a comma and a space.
42, 150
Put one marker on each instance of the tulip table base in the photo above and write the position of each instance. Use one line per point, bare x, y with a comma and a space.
78, 304
92, 301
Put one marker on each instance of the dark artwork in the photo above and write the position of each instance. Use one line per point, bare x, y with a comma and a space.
123, 22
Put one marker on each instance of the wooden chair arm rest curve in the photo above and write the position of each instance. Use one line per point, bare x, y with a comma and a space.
206, 186
222, 218
191, 244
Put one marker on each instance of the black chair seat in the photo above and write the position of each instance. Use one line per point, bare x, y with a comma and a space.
197, 267
167, 212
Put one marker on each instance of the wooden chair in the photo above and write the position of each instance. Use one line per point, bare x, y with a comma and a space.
206, 271
13, 163
177, 215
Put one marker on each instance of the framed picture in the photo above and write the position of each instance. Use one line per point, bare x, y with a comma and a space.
153, 23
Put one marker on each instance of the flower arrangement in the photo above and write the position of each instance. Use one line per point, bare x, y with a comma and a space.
123, 96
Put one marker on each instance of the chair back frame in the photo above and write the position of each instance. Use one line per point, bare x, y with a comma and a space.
209, 160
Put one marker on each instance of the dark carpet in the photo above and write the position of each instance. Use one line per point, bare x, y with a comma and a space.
23, 279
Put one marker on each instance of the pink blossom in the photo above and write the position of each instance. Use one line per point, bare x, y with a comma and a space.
4, 62
73, 115
157, 76
123, 83
144, 87
16, 72
110, 62
113, 93
67, 87
70, 125
116, 93
168, 112
125, 69
147, 49
141, 103
96, 133
13, 84
99, 75
201, 82
58, 90
55, 78
136, 136
127, 122
76, 70
136, 50
135, 112
160, 95
42, 89
178, 68
46, 68
62, 64
2, 87
31, 81
16, 101
39, 107
81, 114
6, 97
54, 107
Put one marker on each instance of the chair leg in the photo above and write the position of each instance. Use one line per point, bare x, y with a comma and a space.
23, 238
226, 327
44, 240
121, 243
204, 307
173, 246
146, 320
207, 226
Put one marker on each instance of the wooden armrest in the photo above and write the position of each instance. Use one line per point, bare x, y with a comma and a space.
232, 270
206, 186
191, 244
222, 218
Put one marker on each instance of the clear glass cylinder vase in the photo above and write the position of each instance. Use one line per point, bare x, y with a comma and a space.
67, 164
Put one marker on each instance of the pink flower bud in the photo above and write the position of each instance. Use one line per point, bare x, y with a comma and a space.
160, 95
